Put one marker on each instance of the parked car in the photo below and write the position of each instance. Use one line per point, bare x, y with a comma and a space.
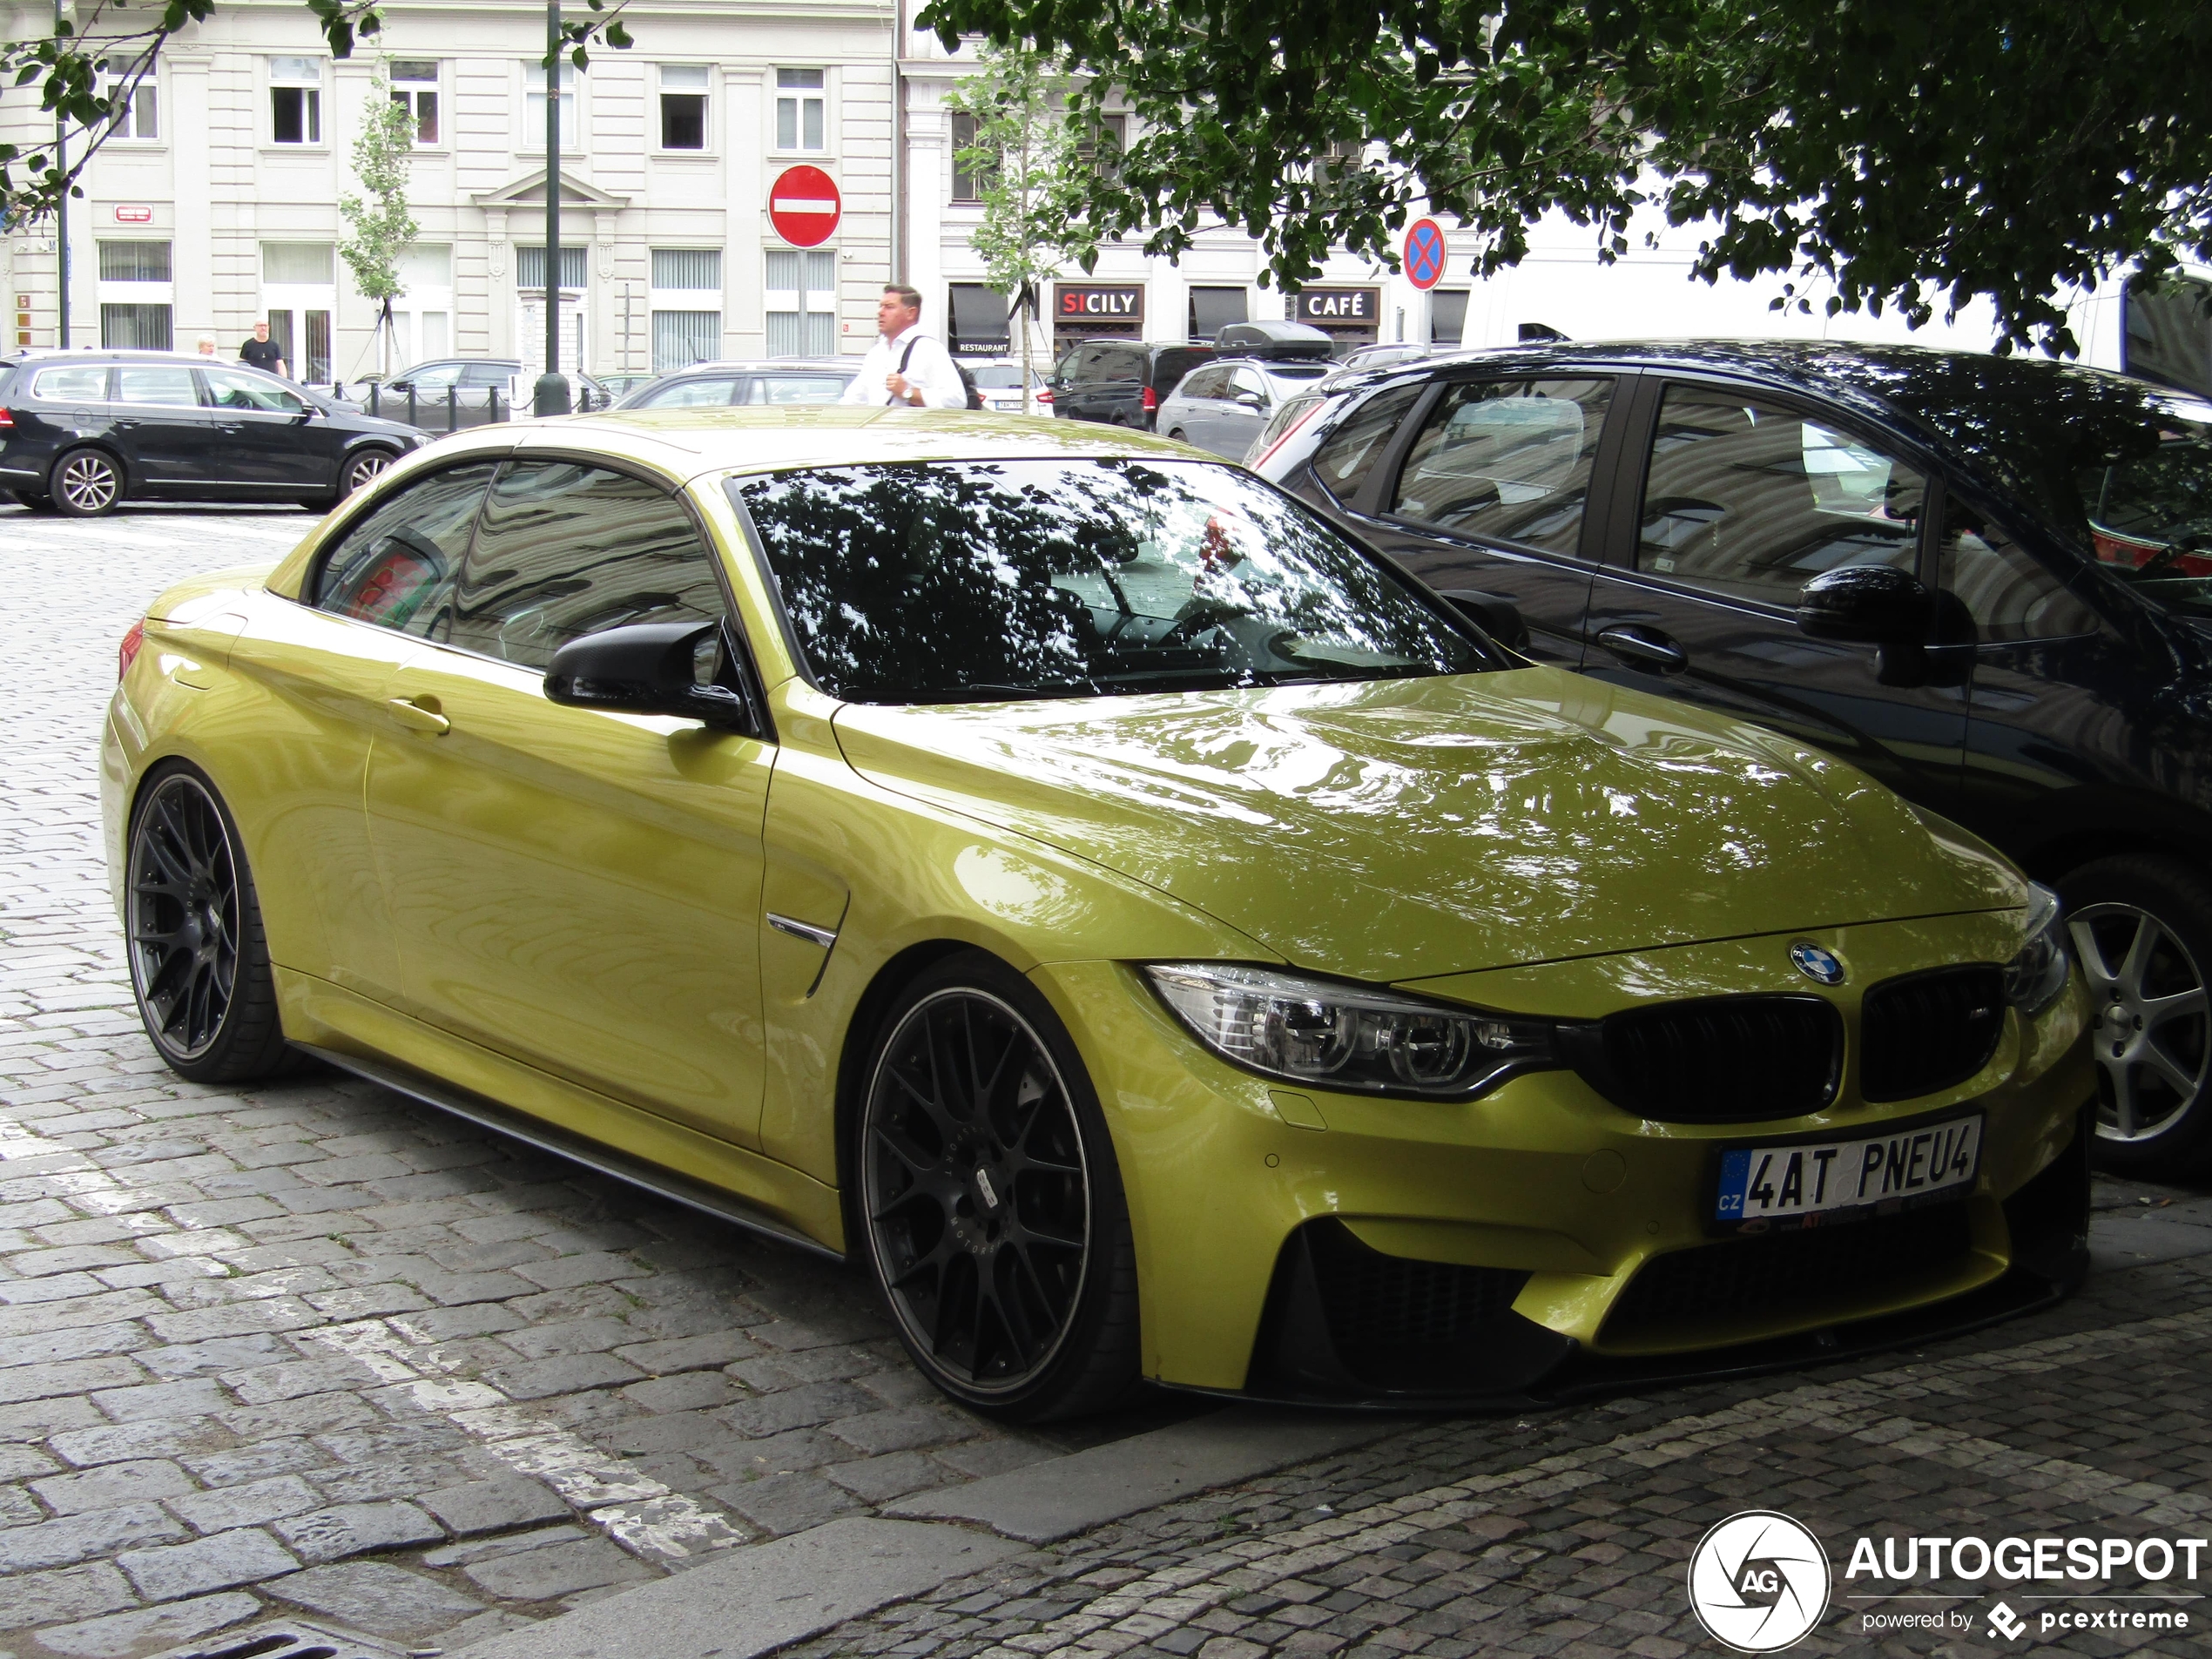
1222, 406
1000, 381
447, 394
1383, 356
1119, 382
1986, 581
82, 431
1073, 878
774, 380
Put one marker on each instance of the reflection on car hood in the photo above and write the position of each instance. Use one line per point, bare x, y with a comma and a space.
1399, 829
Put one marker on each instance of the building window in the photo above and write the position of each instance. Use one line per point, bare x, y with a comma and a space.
134, 328
1213, 309
137, 109
683, 106
798, 109
1447, 317
1101, 148
802, 303
529, 265
295, 100
134, 262
534, 108
298, 264
414, 89
967, 181
686, 306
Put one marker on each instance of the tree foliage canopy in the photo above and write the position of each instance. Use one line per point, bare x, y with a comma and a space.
1913, 155
380, 225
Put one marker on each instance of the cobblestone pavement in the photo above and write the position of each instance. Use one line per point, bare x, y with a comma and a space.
1567, 1534
310, 1348
250, 1340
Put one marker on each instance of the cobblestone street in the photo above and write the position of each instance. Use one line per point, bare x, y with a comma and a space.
312, 1348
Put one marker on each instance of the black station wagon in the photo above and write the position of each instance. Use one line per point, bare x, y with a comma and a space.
1986, 580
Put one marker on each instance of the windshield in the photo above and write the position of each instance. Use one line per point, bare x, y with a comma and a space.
979, 581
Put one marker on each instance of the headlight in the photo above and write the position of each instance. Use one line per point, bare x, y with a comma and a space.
1348, 1037
2035, 977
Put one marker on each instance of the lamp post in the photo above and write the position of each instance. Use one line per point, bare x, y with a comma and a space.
552, 392
61, 216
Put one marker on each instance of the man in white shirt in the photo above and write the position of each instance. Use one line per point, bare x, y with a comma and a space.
906, 369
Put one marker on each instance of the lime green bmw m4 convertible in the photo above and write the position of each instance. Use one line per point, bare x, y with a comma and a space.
1061, 873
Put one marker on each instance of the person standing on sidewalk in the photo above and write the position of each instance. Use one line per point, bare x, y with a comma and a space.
262, 352
906, 369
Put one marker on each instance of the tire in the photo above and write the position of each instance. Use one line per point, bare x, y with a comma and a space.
990, 1206
2141, 931
362, 467
1178, 436
87, 484
199, 960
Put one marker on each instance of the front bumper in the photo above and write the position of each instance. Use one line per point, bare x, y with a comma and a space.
1305, 1245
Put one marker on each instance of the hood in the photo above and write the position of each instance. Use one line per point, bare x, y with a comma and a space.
1399, 829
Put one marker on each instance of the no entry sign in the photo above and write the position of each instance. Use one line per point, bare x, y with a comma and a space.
804, 206
1424, 253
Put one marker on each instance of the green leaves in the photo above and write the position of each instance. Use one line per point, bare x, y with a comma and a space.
1877, 152
381, 225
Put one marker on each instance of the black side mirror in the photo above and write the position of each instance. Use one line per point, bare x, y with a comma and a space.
645, 668
1867, 605
1497, 616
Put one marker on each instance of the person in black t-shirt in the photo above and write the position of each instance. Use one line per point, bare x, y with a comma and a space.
262, 352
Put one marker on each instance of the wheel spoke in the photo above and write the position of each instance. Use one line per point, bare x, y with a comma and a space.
2184, 1082
2089, 951
2157, 1010
2125, 1111
2136, 964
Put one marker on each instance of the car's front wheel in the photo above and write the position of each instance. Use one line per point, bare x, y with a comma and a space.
363, 466
87, 484
988, 1199
2142, 928
200, 964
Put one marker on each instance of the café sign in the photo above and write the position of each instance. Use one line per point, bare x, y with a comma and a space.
1078, 302
1339, 307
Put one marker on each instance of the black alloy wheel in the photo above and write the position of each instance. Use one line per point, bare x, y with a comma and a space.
199, 965
989, 1201
364, 467
2141, 932
87, 484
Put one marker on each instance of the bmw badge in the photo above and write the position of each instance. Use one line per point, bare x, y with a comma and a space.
1822, 966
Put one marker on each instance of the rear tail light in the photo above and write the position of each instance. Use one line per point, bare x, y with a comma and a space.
127, 652
1151, 401
7, 421
1044, 396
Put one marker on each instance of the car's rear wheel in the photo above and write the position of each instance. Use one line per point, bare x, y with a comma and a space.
990, 1202
87, 484
2142, 929
1178, 436
199, 963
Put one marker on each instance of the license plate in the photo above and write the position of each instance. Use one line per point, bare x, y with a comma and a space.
1875, 1173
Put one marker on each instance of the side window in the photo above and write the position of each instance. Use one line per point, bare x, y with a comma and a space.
1753, 500
1203, 383
1507, 459
487, 375
174, 387
2009, 595
396, 567
66, 385
1350, 453
796, 389
565, 551
435, 378
691, 394
229, 389
1248, 379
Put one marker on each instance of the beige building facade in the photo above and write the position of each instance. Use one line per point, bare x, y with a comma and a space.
216, 200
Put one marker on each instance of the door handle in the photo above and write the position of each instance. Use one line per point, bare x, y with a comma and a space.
1645, 648
419, 716
230, 426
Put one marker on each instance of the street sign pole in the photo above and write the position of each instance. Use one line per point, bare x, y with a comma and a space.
552, 392
61, 208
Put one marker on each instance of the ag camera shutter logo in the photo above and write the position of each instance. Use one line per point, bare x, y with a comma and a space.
1758, 1582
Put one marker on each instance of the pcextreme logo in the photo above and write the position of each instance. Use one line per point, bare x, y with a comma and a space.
1758, 1582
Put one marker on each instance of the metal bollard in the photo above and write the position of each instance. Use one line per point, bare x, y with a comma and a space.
497, 413
375, 404
413, 415
452, 408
